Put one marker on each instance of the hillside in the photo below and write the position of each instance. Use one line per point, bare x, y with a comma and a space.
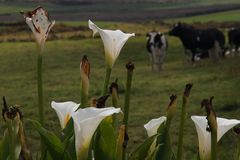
124, 12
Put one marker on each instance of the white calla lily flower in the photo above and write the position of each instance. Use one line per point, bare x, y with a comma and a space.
153, 125
86, 122
204, 137
113, 41
64, 111
38, 21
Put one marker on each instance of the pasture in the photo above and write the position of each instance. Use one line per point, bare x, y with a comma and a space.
150, 92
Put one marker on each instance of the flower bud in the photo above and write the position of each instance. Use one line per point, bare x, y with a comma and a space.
84, 73
187, 90
172, 106
211, 114
130, 66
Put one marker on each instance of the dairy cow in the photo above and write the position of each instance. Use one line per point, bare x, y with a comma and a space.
194, 40
234, 39
157, 46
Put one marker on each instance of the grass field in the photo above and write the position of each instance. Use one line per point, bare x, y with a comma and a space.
228, 16
150, 92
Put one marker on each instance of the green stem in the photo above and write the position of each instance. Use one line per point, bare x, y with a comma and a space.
168, 124
127, 97
115, 104
126, 104
106, 81
214, 144
238, 149
40, 93
11, 140
181, 129
40, 89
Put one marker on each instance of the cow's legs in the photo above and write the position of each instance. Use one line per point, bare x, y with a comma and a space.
158, 57
214, 53
188, 54
193, 55
150, 60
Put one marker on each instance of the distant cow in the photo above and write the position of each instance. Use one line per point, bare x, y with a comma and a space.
211, 40
234, 39
157, 46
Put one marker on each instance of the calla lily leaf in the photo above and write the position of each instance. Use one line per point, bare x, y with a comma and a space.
53, 144
105, 145
164, 150
4, 147
142, 151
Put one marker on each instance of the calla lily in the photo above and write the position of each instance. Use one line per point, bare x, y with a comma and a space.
204, 137
153, 125
38, 21
86, 122
64, 111
113, 41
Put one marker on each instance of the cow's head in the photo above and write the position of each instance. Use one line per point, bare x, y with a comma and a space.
154, 40
176, 30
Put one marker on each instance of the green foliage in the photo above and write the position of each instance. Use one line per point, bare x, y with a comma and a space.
10, 146
105, 141
164, 150
142, 151
53, 144
149, 93
4, 146
13, 140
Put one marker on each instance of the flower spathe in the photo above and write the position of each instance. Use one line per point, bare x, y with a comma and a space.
153, 125
86, 122
204, 137
113, 41
38, 21
64, 111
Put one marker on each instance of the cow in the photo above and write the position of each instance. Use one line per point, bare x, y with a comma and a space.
194, 40
157, 45
234, 40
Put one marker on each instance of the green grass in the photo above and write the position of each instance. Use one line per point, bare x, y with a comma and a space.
228, 16
150, 92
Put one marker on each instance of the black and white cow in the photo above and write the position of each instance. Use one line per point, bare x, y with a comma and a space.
200, 40
157, 46
234, 40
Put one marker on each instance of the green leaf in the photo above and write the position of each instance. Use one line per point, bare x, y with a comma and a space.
13, 138
69, 139
105, 141
68, 131
4, 146
153, 154
52, 143
164, 151
141, 153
